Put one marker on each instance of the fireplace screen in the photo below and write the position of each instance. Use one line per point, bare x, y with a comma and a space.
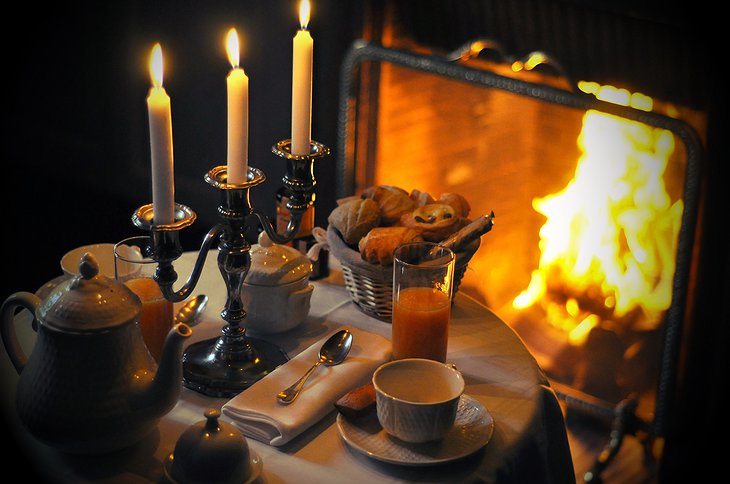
594, 190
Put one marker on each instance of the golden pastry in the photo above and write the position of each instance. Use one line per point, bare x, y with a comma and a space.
354, 218
393, 202
376, 191
358, 402
340, 201
461, 206
421, 198
434, 221
378, 245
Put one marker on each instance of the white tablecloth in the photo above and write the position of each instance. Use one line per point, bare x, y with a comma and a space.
529, 442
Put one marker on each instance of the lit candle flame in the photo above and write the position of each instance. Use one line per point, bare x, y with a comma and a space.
156, 65
304, 10
232, 48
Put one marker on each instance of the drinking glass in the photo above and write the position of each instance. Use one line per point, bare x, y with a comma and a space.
423, 280
134, 268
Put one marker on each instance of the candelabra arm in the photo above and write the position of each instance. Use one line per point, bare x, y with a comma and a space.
230, 363
165, 280
291, 229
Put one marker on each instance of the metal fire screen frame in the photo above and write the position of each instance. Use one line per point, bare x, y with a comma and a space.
351, 78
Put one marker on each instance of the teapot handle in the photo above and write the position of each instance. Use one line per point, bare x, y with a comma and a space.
25, 300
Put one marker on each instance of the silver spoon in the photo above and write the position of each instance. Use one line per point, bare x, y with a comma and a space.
191, 310
333, 352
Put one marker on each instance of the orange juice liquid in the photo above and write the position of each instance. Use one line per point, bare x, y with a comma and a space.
421, 323
155, 319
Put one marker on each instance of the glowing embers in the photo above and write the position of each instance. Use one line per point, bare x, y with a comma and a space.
609, 242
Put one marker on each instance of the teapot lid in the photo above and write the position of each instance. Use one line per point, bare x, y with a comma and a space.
274, 264
89, 301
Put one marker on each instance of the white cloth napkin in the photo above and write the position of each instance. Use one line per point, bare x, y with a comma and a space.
258, 414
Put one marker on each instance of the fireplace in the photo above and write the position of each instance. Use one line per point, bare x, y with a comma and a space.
596, 190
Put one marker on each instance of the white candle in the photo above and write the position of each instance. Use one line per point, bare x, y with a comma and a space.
301, 122
237, 83
160, 119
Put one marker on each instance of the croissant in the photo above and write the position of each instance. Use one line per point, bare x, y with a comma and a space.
354, 218
434, 221
393, 202
378, 245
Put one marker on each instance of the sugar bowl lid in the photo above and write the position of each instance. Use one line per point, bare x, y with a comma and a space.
89, 301
274, 264
212, 450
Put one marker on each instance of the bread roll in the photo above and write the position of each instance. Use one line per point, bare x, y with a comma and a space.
459, 203
354, 218
421, 198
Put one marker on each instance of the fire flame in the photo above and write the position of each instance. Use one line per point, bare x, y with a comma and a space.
232, 48
608, 245
304, 12
156, 68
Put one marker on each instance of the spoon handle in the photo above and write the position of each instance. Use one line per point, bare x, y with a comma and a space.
287, 396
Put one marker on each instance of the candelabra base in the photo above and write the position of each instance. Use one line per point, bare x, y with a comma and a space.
227, 365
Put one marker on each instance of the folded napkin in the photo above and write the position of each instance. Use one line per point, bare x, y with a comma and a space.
258, 414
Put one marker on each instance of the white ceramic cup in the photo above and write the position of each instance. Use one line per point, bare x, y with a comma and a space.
417, 398
104, 254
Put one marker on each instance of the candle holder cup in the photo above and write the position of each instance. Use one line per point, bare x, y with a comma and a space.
226, 365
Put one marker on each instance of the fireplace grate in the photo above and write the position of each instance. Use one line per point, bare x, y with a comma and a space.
357, 157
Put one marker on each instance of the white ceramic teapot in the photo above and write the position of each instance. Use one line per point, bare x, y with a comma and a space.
276, 292
90, 385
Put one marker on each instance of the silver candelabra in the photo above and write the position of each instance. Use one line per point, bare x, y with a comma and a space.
230, 363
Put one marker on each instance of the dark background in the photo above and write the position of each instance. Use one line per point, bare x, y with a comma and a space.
76, 156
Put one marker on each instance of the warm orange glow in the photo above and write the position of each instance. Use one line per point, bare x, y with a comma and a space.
615, 95
611, 233
534, 60
304, 11
579, 334
156, 66
232, 48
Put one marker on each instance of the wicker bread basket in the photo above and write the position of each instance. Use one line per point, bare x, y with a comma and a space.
370, 285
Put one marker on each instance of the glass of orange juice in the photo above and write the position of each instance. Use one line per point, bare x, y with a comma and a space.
423, 280
135, 268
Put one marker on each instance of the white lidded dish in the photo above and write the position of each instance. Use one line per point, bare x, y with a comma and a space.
276, 292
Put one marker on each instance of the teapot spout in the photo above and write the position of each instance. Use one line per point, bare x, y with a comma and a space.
165, 389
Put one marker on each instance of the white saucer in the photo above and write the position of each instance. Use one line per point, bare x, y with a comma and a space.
472, 430
256, 466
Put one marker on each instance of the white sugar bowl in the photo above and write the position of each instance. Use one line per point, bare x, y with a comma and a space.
276, 292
